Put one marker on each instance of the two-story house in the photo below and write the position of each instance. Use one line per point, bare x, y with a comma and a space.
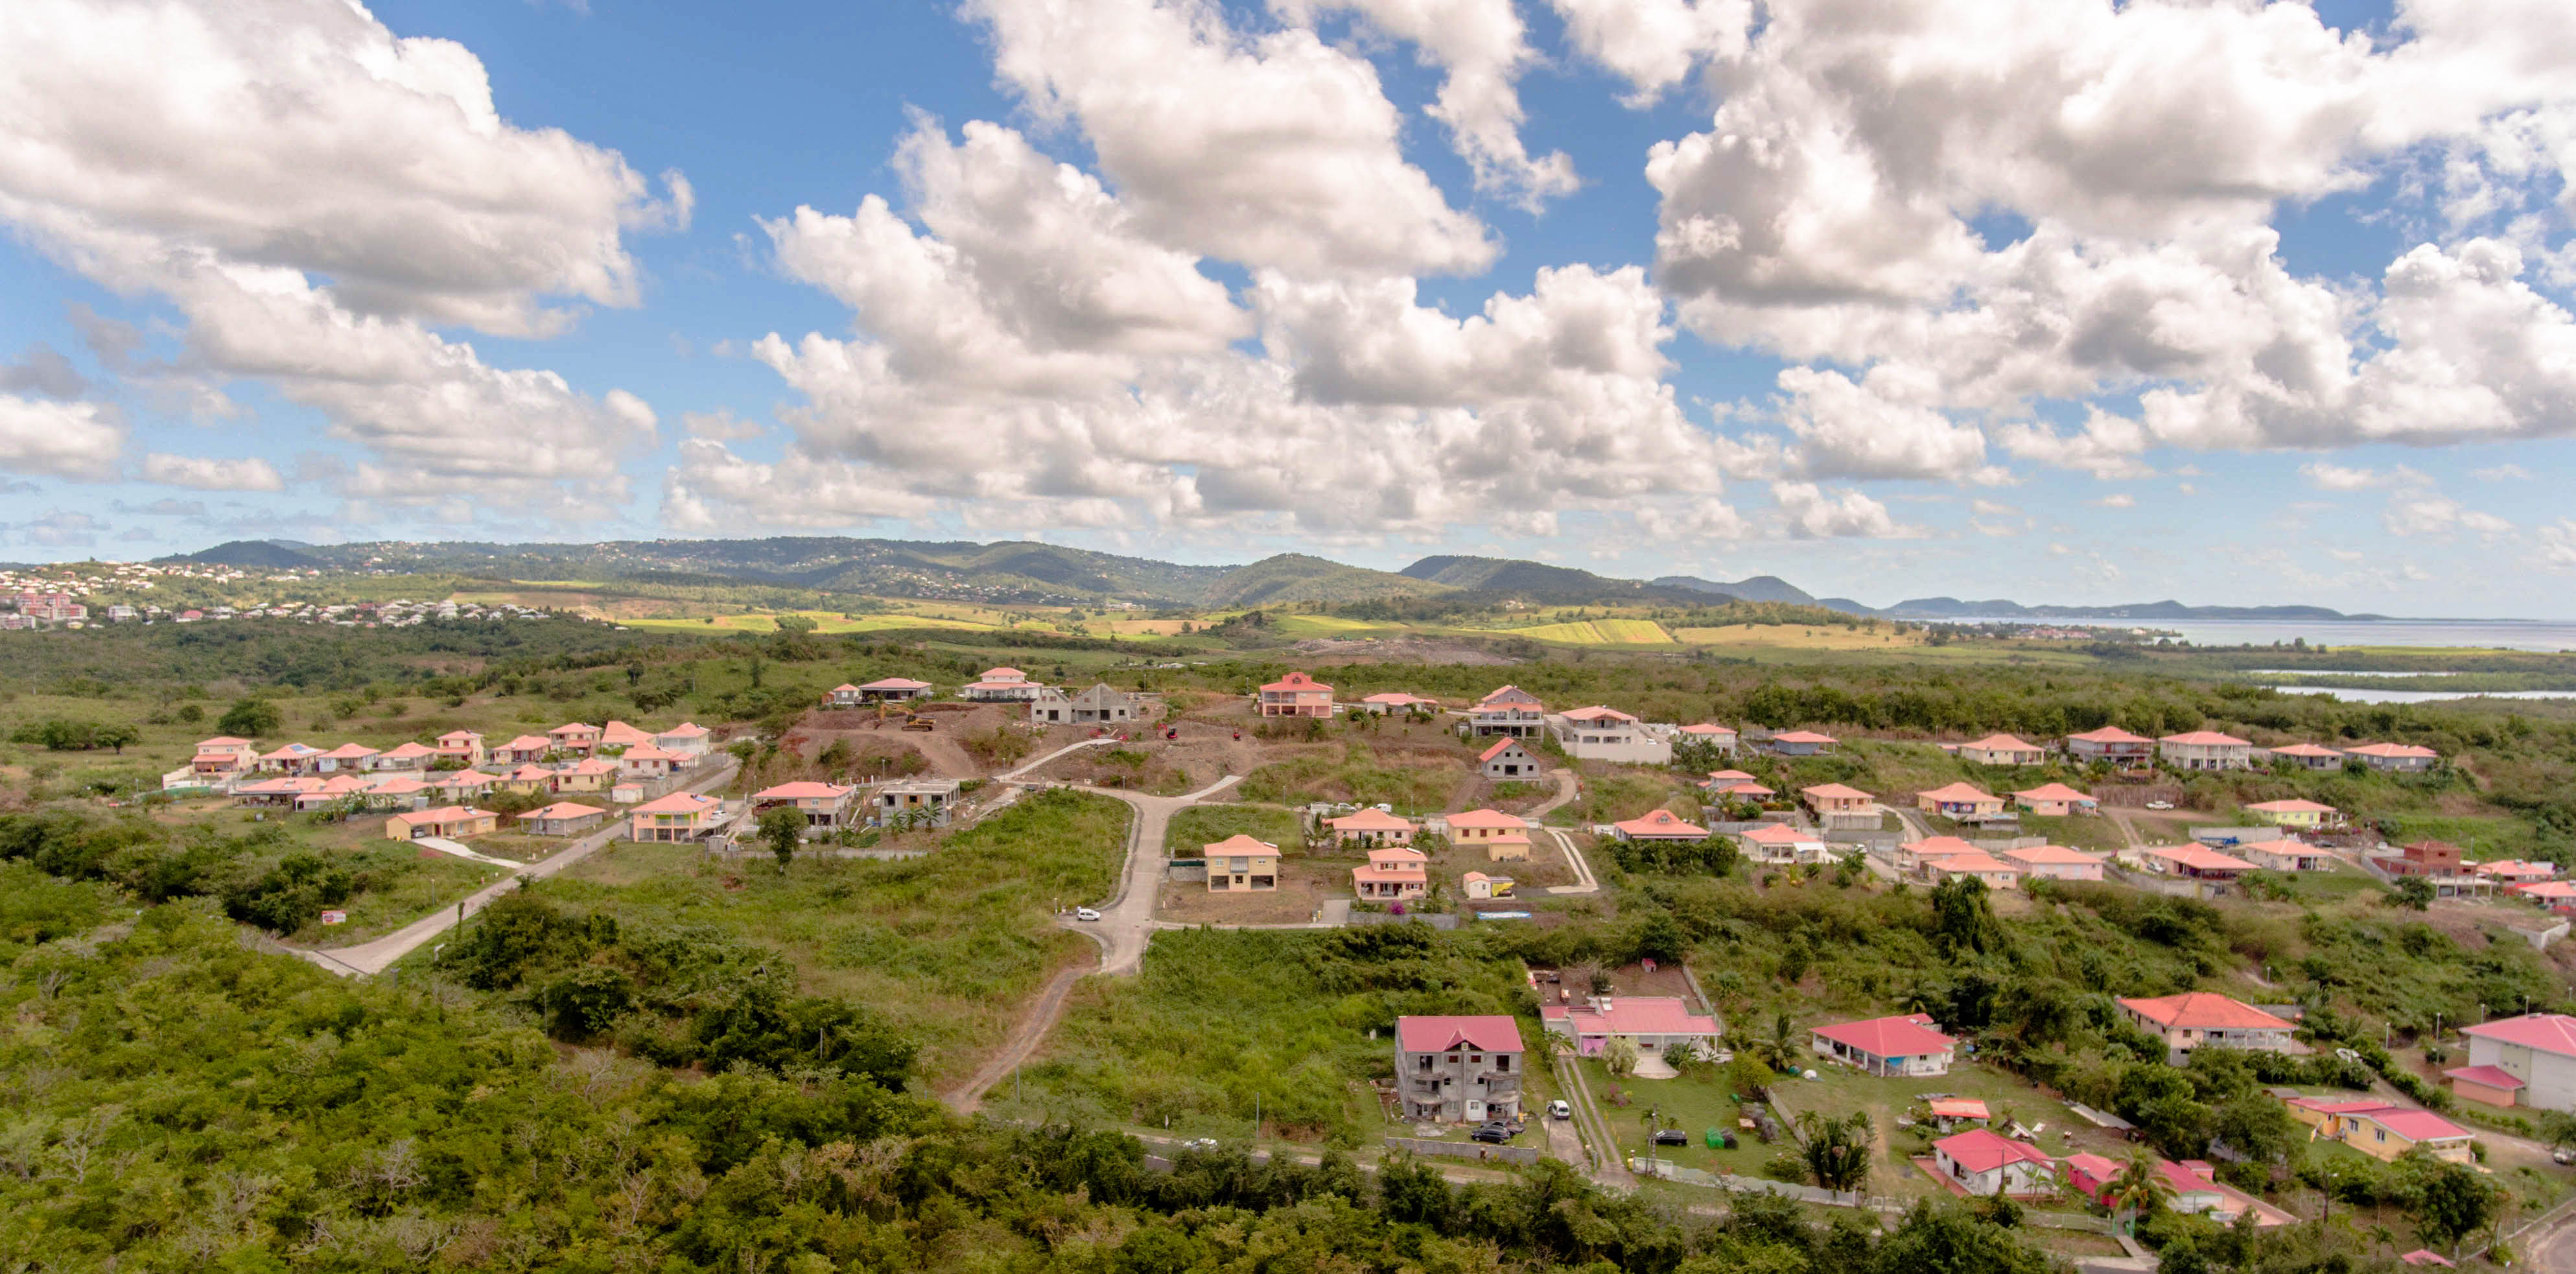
579, 738
822, 804
2205, 750
2520, 1061
463, 747
1601, 733
1001, 685
1392, 875
1503, 837
1508, 711
1295, 695
1508, 762
2113, 746
1099, 705
1463, 1068
681, 816
224, 756
1240, 864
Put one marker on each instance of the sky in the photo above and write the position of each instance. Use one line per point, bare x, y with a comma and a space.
2048, 300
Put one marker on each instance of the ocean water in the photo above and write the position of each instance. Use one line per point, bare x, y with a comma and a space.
2419, 696
2483, 634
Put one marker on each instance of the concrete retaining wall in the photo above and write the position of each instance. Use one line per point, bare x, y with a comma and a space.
1478, 1151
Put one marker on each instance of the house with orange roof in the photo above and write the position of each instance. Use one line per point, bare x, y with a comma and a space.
1392, 875
1657, 825
2114, 746
464, 747
2307, 756
2305, 815
998, 685
294, 758
224, 755
1799, 743
1779, 844
1716, 736
2395, 758
590, 774
1240, 864
2194, 862
2002, 749
687, 739
1371, 826
1831, 799
2056, 800
575, 737
2205, 750
448, 821
1741, 788
1295, 695
647, 761
1481, 887
1961, 802
678, 817
1907, 1047
345, 758
1918, 855
2187, 1021
2548, 895
2054, 862
280, 791
404, 756
1509, 711
2514, 871
526, 748
1977, 865
2284, 855
822, 804
844, 695
1503, 837
526, 780
563, 818
1507, 761
1603, 733
618, 734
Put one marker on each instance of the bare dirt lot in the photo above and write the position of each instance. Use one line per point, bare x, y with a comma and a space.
1303, 887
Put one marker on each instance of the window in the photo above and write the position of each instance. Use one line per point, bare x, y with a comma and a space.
1475, 1059
1453, 1059
1503, 1062
1426, 1062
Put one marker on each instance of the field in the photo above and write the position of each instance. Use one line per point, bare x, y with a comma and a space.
1799, 636
1202, 825
1599, 632
948, 946
1299, 1021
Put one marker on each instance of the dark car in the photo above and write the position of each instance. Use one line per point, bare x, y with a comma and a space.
1492, 1134
1672, 1137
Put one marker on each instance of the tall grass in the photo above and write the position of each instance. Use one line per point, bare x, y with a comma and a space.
1203, 825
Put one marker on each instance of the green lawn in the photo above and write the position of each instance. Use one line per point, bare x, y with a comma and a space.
949, 946
1203, 825
2075, 831
1219, 1020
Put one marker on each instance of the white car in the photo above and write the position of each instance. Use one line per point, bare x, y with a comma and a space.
2159, 805
1559, 1110
1085, 913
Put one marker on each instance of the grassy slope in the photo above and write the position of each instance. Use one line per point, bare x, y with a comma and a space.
1202, 825
948, 946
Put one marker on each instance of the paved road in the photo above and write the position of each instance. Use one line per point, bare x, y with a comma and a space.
374, 957
1008, 775
1125, 927
1567, 788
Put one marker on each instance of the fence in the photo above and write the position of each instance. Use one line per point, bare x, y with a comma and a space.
1466, 1150
1381, 918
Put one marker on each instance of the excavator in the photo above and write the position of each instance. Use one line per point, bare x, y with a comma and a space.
911, 720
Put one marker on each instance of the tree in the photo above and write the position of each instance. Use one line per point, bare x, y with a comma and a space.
116, 736
1836, 1151
2557, 1127
780, 829
1619, 1056
2139, 1189
2413, 892
1963, 919
250, 719
2456, 1204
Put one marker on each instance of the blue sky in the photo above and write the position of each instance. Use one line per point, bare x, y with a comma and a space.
2233, 306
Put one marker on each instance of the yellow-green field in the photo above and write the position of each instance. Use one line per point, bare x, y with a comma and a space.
1600, 632
1815, 637
824, 622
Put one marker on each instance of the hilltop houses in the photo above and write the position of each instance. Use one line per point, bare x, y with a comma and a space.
1509, 711
1658, 825
575, 737
2283, 855
2055, 800
1716, 736
1836, 805
1392, 875
2307, 756
2114, 746
563, 818
1241, 864
1981, 1161
1652, 1023
223, 756
2205, 750
678, 817
1001, 685
1961, 802
2304, 815
2002, 749
447, 821
1800, 743
1295, 695
2054, 862
1977, 865
2397, 758
1504, 837
822, 804
1388, 702
1371, 826
1908, 1047
2185, 1022
1779, 844
1602, 733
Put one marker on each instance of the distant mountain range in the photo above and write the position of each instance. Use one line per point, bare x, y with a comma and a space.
1024, 573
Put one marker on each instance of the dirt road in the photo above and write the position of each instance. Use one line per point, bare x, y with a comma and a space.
374, 957
1125, 927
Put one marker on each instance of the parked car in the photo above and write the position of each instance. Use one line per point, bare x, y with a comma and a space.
1559, 1110
1493, 1134
2159, 805
1672, 1137
1200, 1145
1085, 913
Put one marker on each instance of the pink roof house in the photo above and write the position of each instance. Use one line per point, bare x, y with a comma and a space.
2056, 800
2002, 749
2205, 750
590, 774
404, 756
1658, 825
2292, 813
347, 756
2402, 757
1296, 695
574, 736
1370, 825
527, 747
1918, 855
1392, 701
1392, 875
224, 754
2054, 862
563, 818
1508, 761
1960, 801
1983, 1162
681, 816
1779, 843
2113, 745
822, 804
294, 758
1801, 743
2309, 756
645, 760
685, 739
1908, 1046
2513, 871
2194, 862
1834, 798
1706, 733
618, 734
893, 689
1651, 1022
1976, 864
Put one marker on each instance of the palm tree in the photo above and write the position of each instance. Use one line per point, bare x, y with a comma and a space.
2139, 1188
1836, 1151
2381, 1237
